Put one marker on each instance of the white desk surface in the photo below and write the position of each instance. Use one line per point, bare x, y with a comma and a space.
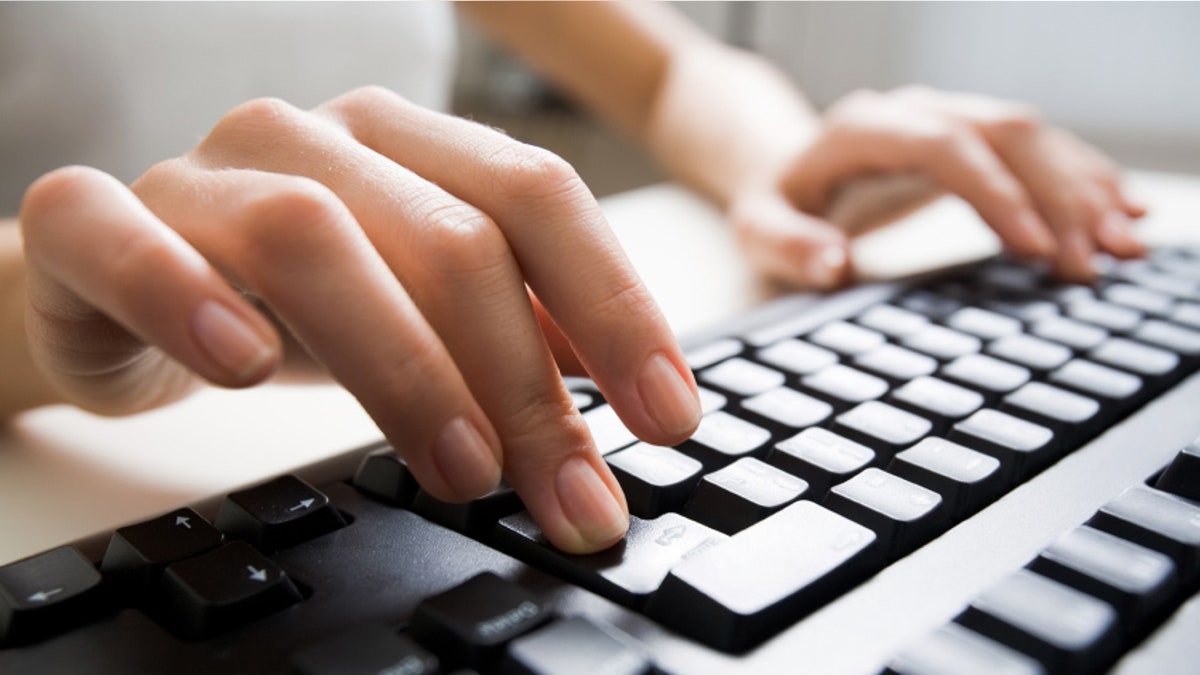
65, 474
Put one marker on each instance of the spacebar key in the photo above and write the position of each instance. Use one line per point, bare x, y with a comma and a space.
738, 593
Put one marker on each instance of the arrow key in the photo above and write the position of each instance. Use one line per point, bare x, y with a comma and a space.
222, 589
277, 514
137, 554
47, 593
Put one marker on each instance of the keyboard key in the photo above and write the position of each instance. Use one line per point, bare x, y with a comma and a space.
384, 476
1112, 386
966, 480
138, 554
365, 651
1068, 631
892, 321
846, 338
1139, 298
1181, 340
797, 356
1024, 309
277, 514
741, 494
941, 342
1182, 475
722, 438
985, 374
655, 479
577, 645
626, 573
46, 594
1187, 314
1023, 448
821, 458
224, 588
983, 323
954, 650
844, 386
795, 560
1064, 412
1105, 314
1029, 351
470, 624
742, 377
929, 304
1134, 357
1171, 649
1138, 582
608, 431
896, 363
883, 427
474, 517
1074, 334
937, 400
789, 408
713, 352
1156, 520
903, 515
710, 401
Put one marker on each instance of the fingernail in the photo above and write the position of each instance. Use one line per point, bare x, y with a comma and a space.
230, 341
672, 403
465, 460
589, 505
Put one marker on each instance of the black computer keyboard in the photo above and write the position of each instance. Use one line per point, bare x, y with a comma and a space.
978, 471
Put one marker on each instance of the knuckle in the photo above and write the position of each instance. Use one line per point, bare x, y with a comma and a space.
538, 408
524, 172
250, 121
299, 214
467, 242
58, 189
626, 300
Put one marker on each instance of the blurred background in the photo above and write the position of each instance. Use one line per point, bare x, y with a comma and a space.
1123, 75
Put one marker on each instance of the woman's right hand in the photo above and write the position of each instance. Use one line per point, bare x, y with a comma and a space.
409, 252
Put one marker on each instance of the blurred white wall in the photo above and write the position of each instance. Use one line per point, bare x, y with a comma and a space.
1125, 75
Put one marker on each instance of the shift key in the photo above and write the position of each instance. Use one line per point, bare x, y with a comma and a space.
739, 592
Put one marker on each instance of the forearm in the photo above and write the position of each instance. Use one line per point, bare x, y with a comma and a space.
22, 386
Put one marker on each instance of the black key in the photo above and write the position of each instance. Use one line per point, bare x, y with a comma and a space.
983, 323
1137, 582
1135, 357
1181, 340
138, 554
846, 338
985, 374
470, 624
896, 363
954, 649
967, 480
706, 355
608, 431
655, 479
475, 517
224, 588
1029, 351
844, 386
797, 356
903, 515
742, 377
46, 594
1068, 631
384, 476
1115, 388
1065, 413
884, 428
626, 573
813, 553
278, 514
892, 321
577, 645
788, 409
1156, 520
822, 458
937, 400
941, 342
1023, 448
722, 438
1182, 475
366, 650
1074, 334
741, 494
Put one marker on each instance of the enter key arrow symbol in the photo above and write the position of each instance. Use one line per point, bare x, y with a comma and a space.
42, 596
304, 504
257, 574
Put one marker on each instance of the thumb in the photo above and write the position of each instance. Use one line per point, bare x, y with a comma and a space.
789, 245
